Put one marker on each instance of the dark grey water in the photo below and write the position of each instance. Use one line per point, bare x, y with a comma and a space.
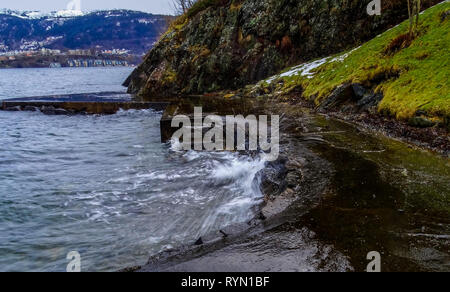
36, 82
105, 186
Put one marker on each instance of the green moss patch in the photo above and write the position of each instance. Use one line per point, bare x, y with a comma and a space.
412, 74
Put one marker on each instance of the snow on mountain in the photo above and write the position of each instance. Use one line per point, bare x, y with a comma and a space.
13, 13
72, 29
35, 14
68, 13
39, 14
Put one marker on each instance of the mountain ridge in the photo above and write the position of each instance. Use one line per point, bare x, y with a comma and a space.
36, 14
106, 29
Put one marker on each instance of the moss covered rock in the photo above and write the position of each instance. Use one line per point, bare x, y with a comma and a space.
406, 82
226, 44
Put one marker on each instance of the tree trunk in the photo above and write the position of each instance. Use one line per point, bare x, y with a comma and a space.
410, 17
418, 13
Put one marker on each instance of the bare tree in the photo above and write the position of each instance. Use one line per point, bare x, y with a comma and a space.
418, 7
414, 7
181, 6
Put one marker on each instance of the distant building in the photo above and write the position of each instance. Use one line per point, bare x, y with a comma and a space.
79, 52
95, 63
48, 52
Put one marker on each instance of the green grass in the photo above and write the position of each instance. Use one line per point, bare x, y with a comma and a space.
414, 78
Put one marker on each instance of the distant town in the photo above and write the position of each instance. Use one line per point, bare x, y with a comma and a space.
41, 58
33, 39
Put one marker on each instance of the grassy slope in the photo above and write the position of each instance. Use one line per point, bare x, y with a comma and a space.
423, 67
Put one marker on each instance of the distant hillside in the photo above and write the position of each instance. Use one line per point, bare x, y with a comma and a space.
117, 29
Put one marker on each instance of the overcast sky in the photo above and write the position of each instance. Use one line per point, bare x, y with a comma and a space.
152, 6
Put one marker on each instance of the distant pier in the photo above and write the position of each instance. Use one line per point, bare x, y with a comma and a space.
89, 103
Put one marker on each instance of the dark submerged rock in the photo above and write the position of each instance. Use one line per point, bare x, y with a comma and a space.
199, 241
421, 122
48, 110
61, 112
223, 233
13, 109
273, 177
30, 108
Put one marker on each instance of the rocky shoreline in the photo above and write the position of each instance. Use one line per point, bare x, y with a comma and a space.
297, 188
339, 191
330, 197
435, 139
283, 182
322, 190
422, 134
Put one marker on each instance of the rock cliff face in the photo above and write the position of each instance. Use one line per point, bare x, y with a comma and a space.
226, 44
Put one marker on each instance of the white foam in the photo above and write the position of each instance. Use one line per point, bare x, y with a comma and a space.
236, 168
134, 112
192, 155
176, 145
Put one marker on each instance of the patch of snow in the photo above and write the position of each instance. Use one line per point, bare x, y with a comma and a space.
35, 14
13, 13
68, 13
342, 57
146, 21
304, 70
40, 15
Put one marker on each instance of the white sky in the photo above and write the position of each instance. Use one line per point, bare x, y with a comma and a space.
152, 6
